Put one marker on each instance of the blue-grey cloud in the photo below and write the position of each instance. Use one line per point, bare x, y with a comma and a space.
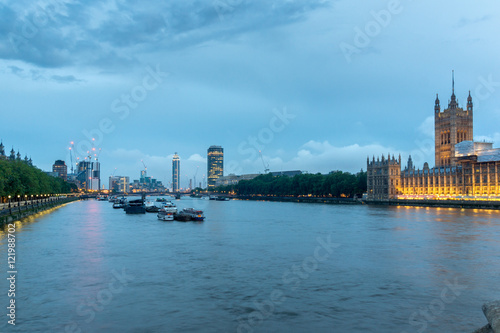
466, 21
93, 33
41, 75
65, 78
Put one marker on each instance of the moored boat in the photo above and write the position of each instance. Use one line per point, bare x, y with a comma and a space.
195, 215
154, 206
167, 212
119, 203
135, 207
182, 217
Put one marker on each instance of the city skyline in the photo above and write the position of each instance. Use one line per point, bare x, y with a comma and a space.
317, 87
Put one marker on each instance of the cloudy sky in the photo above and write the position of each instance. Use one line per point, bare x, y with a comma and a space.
315, 85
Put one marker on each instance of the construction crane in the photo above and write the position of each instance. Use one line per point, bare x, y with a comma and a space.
97, 155
145, 167
266, 167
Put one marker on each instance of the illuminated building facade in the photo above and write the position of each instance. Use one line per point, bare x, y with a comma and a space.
215, 165
451, 126
62, 170
176, 169
119, 184
465, 170
89, 176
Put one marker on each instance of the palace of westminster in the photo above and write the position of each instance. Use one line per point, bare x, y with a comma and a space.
463, 169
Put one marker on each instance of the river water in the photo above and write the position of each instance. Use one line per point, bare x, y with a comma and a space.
254, 267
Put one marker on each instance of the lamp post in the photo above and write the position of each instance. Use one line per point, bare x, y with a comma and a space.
9, 201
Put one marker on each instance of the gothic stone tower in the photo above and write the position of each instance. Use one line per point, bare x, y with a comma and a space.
452, 126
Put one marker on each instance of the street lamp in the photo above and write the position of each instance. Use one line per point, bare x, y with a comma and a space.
9, 201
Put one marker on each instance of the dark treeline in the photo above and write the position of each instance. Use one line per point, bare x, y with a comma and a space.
335, 184
19, 178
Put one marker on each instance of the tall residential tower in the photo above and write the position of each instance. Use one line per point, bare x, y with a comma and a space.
215, 165
176, 167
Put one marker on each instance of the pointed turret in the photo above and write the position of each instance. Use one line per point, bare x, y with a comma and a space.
12, 154
469, 103
437, 107
410, 163
18, 156
2, 150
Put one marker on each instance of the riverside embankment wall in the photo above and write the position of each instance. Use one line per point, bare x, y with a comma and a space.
18, 210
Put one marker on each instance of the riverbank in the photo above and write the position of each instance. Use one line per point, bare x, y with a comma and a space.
491, 311
325, 200
469, 204
17, 211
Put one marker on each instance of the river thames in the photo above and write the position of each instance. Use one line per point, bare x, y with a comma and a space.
254, 266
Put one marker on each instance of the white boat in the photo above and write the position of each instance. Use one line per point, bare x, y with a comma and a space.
167, 212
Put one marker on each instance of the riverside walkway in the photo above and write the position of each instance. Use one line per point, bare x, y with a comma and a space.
14, 210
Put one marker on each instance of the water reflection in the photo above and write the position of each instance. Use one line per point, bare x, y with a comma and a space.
205, 277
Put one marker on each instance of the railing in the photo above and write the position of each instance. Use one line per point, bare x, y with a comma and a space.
22, 205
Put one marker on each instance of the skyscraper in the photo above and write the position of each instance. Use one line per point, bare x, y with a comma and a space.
215, 165
176, 171
89, 175
62, 170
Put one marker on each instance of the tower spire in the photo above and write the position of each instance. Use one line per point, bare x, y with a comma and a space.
453, 103
453, 82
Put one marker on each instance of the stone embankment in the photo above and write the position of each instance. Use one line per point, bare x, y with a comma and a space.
327, 200
472, 204
492, 312
17, 210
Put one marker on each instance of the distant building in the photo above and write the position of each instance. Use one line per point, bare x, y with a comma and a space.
464, 169
148, 184
286, 173
113, 180
215, 165
60, 167
176, 169
144, 175
89, 176
119, 184
233, 179
2, 152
